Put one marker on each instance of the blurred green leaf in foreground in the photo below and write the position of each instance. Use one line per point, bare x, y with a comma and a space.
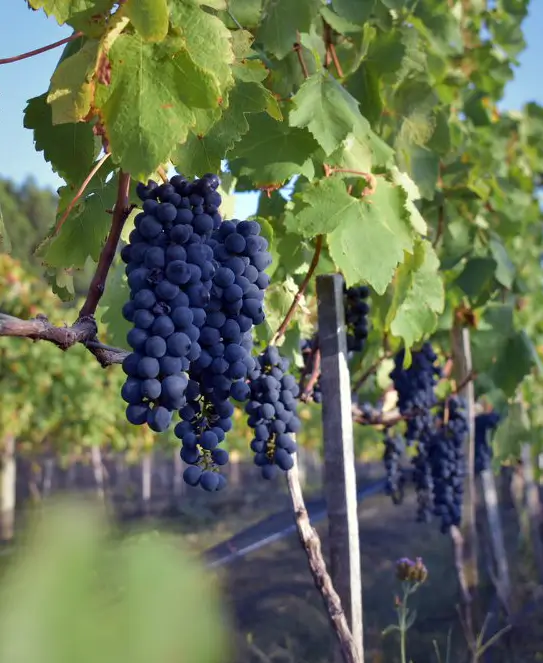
74, 594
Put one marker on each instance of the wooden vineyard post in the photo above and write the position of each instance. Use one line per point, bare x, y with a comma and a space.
146, 481
495, 532
98, 471
533, 507
339, 463
7, 488
465, 538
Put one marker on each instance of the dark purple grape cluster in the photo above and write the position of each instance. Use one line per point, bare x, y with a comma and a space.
308, 348
357, 310
447, 461
196, 291
394, 449
225, 365
272, 413
484, 424
169, 274
415, 387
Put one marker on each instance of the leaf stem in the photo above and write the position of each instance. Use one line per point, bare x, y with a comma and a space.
163, 175
120, 214
301, 291
313, 377
80, 191
440, 225
43, 49
371, 370
298, 48
370, 177
335, 59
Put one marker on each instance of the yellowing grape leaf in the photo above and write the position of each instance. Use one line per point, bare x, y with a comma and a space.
146, 110
72, 89
149, 17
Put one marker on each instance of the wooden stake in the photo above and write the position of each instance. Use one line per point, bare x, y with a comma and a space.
465, 538
495, 532
339, 463
533, 506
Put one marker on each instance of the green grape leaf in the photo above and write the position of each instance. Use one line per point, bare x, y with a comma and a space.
61, 282
98, 589
495, 326
357, 11
413, 194
83, 233
5, 243
323, 106
477, 277
155, 85
149, 17
206, 39
247, 12
71, 90
281, 20
204, 153
371, 240
513, 363
421, 164
505, 269
116, 294
279, 297
364, 85
339, 23
69, 148
327, 206
271, 152
419, 295
72, 11
250, 71
219, 5
362, 150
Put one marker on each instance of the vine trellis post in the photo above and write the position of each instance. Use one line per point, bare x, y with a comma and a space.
339, 462
465, 538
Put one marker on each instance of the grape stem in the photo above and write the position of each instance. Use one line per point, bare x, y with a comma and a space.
440, 225
392, 418
331, 50
82, 331
314, 376
311, 543
81, 191
42, 49
301, 291
369, 177
371, 370
298, 49
120, 214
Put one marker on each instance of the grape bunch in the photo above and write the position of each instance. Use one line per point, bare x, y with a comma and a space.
225, 363
447, 461
196, 290
169, 276
272, 413
308, 348
356, 317
484, 422
415, 387
394, 448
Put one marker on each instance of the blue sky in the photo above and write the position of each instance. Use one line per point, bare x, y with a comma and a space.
25, 30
